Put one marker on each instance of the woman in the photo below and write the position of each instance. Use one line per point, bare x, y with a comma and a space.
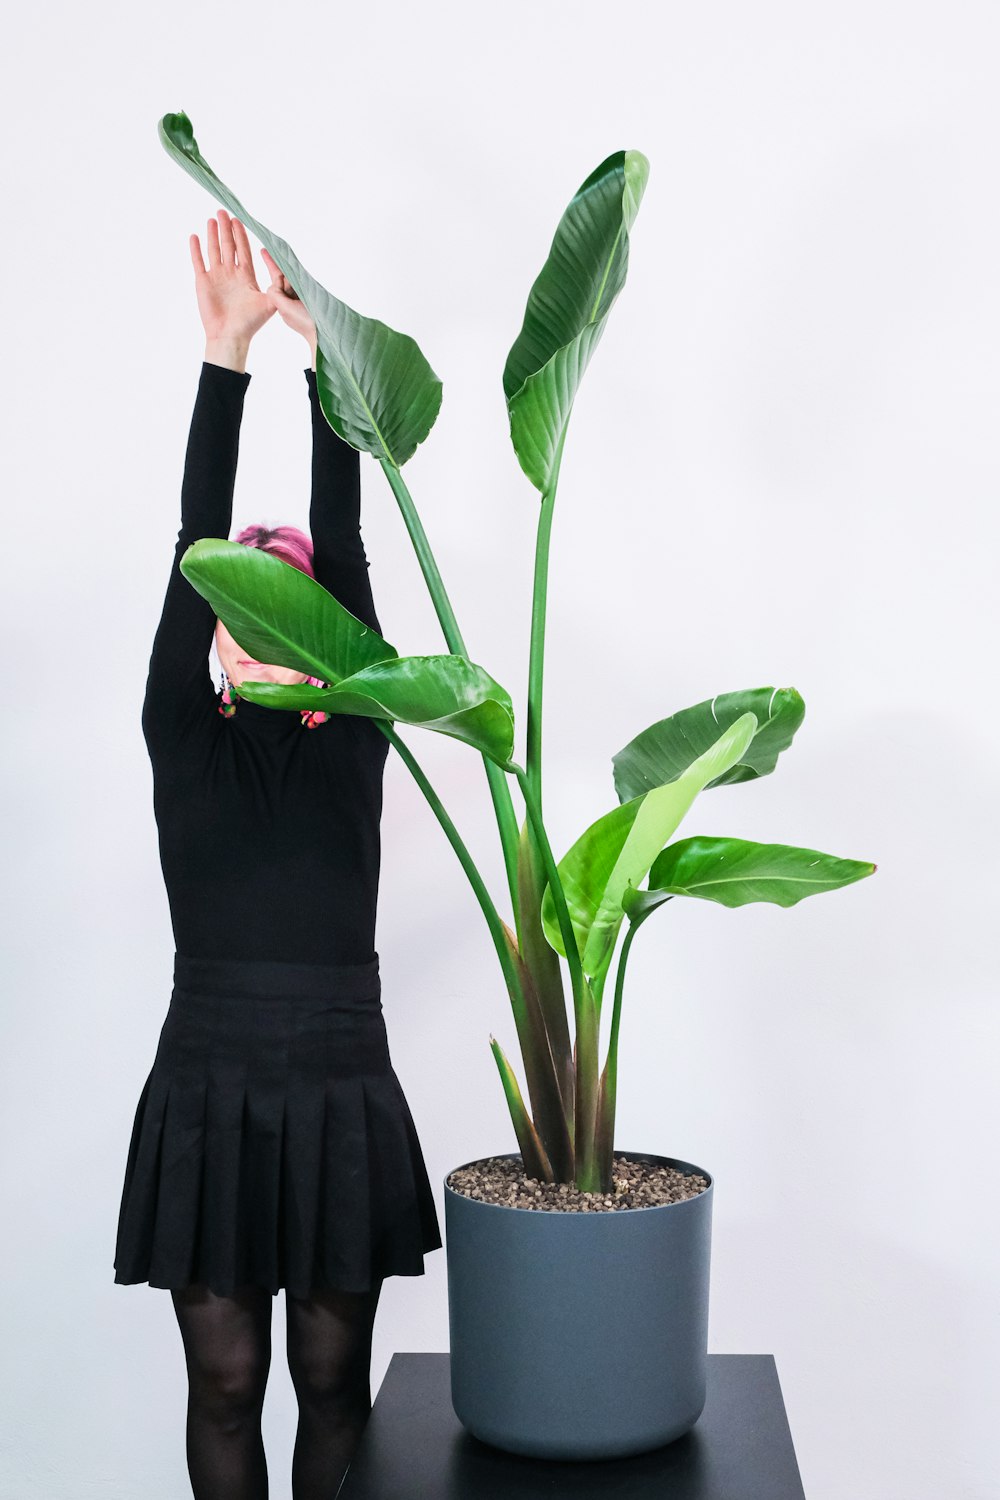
272, 1144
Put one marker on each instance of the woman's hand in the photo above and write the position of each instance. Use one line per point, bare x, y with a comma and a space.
284, 300
231, 304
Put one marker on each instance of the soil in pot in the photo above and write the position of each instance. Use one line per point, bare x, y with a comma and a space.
635, 1184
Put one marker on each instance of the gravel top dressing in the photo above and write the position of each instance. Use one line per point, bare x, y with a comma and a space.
636, 1184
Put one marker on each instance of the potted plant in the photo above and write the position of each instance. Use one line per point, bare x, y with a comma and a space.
578, 1277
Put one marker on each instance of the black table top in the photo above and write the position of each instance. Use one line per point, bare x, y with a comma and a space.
415, 1448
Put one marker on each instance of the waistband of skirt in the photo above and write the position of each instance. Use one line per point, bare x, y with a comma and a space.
277, 979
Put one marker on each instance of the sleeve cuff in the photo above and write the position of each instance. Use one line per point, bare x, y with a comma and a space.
221, 373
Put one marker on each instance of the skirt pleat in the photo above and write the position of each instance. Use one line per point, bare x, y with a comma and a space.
272, 1143
340, 1258
304, 1179
174, 1185
392, 1136
179, 1202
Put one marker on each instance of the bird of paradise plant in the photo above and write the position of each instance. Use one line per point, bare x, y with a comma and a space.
379, 393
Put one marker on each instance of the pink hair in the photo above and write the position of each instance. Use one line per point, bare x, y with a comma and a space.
287, 543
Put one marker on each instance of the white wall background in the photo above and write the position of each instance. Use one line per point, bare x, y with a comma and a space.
782, 467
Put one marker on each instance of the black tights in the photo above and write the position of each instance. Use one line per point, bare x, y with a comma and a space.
227, 1347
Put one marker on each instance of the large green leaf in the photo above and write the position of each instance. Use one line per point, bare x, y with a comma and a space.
664, 750
377, 390
280, 614
735, 872
448, 694
567, 308
618, 849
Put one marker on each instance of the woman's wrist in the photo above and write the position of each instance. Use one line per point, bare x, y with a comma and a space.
230, 353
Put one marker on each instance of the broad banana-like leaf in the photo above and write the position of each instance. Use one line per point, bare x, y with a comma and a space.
448, 694
377, 390
567, 308
618, 849
735, 872
281, 615
664, 750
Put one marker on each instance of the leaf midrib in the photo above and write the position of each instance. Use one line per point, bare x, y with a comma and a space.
742, 880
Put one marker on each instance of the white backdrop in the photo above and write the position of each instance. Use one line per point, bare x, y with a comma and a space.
781, 468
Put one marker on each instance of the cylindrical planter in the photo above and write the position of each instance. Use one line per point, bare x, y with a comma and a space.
579, 1335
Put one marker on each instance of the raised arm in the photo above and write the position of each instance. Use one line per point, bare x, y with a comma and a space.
178, 686
232, 309
335, 516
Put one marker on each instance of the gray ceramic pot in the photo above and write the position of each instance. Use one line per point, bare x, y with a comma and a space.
579, 1335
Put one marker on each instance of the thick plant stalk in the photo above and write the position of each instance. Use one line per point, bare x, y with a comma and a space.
585, 1009
586, 1095
499, 786
551, 1119
542, 961
543, 1086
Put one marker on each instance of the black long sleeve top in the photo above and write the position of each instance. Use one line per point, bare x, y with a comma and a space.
268, 832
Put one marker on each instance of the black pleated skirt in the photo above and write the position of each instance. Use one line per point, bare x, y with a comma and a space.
272, 1142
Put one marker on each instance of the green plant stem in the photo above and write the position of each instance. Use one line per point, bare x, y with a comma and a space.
499, 786
536, 658
608, 1096
585, 1011
616, 1011
610, 1062
608, 1093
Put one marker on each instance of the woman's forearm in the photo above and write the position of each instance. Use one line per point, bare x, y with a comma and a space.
231, 354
